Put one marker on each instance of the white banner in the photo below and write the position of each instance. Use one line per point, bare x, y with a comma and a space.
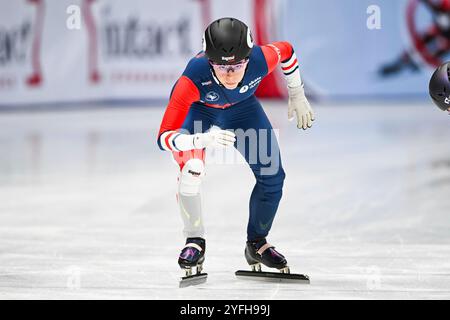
55, 51
74, 50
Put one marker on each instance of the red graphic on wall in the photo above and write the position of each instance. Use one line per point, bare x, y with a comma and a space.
94, 74
205, 12
438, 32
270, 85
432, 43
35, 79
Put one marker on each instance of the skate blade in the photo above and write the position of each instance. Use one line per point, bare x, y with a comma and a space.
193, 280
273, 276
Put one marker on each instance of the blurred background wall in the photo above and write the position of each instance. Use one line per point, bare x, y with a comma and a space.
74, 51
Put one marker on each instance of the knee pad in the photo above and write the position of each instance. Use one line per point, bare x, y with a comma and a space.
191, 176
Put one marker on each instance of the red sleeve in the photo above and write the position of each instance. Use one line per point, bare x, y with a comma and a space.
183, 95
276, 52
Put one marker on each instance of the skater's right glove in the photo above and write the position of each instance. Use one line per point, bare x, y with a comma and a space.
214, 138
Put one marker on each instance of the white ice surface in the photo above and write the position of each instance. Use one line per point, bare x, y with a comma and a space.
88, 209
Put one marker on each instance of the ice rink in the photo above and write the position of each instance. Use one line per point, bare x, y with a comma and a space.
88, 208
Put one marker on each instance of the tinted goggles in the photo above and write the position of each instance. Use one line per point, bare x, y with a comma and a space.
230, 67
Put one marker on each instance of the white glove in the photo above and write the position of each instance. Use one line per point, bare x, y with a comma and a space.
300, 105
214, 138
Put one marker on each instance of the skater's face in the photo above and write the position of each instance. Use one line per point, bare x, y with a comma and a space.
230, 75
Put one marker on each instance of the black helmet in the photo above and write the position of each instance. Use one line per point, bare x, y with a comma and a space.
440, 86
227, 41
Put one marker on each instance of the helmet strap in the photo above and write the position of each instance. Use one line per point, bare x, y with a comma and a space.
215, 78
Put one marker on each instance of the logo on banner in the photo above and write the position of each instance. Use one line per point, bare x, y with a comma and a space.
212, 96
20, 44
428, 27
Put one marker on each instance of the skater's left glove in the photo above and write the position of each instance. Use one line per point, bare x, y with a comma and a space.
300, 105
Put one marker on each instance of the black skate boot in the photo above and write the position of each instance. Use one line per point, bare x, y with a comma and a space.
192, 256
260, 252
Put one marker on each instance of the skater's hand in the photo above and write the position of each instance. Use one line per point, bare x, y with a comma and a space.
300, 105
214, 138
